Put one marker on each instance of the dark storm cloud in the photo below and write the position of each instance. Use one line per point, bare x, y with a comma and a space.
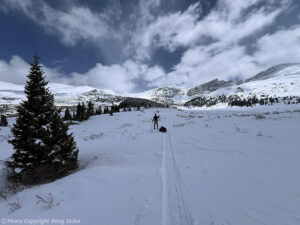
149, 43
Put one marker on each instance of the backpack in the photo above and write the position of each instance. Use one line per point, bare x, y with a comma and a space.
163, 129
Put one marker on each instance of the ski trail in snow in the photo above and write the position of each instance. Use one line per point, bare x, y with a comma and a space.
174, 210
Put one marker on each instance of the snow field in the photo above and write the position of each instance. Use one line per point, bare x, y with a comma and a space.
221, 166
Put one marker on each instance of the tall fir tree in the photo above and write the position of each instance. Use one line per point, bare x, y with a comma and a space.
84, 115
99, 111
90, 109
35, 137
67, 115
106, 110
78, 112
64, 152
81, 112
3, 121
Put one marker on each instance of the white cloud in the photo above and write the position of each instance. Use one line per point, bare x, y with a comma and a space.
214, 45
117, 77
114, 77
77, 23
222, 57
280, 47
226, 25
16, 70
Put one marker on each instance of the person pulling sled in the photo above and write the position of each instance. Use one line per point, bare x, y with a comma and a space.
155, 120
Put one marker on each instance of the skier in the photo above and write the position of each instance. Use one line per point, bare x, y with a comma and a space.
155, 120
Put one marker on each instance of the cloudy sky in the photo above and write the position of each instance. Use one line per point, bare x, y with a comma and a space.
136, 45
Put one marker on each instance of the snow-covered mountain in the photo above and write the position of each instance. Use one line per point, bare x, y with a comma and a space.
208, 87
277, 71
64, 94
280, 80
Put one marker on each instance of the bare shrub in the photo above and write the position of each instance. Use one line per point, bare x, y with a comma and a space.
275, 112
13, 206
178, 125
126, 125
93, 137
244, 115
259, 133
259, 116
3, 193
10, 189
14, 188
47, 202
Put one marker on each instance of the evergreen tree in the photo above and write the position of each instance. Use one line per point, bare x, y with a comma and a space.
99, 111
36, 138
81, 112
67, 115
90, 109
84, 114
74, 116
106, 110
78, 112
64, 152
112, 108
3, 121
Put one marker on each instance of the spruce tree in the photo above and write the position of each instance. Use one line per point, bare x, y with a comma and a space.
36, 139
90, 109
74, 116
81, 112
106, 110
67, 115
78, 112
99, 111
84, 115
3, 121
64, 151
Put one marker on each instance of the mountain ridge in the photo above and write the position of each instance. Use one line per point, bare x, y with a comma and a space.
280, 80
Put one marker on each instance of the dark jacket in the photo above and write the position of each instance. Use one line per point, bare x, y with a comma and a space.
155, 118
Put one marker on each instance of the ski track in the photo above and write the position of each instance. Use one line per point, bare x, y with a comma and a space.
174, 209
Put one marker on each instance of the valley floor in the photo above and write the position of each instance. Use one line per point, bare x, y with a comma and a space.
227, 166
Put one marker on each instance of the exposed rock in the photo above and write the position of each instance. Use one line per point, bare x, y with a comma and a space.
209, 87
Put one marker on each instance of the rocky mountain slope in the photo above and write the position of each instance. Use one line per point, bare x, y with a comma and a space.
281, 80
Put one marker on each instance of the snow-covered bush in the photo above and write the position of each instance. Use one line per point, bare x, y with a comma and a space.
13, 206
259, 133
259, 116
46, 202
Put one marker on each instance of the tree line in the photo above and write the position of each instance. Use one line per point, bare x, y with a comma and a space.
236, 100
84, 112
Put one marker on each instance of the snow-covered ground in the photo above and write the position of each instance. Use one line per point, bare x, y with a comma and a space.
221, 166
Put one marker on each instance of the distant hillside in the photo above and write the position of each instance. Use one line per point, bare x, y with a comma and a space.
280, 81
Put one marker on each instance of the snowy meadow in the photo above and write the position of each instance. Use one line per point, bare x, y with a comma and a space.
220, 166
